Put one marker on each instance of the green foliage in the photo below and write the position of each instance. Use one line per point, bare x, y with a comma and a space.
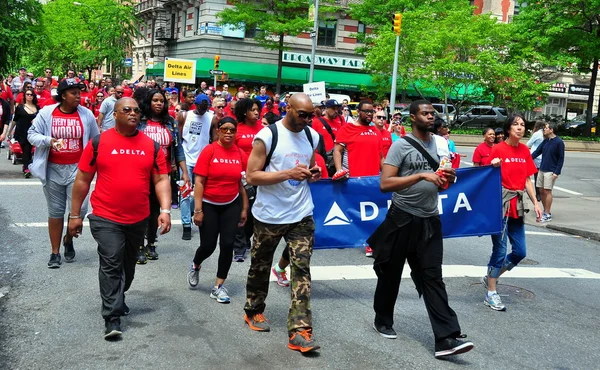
83, 36
19, 25
446, 51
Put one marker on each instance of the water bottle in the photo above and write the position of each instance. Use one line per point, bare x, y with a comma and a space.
244, 182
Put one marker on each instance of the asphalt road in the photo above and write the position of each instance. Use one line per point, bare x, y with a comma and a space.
50, 319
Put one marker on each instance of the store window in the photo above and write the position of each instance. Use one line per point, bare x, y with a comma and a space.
327, 31
554, 107
362, 30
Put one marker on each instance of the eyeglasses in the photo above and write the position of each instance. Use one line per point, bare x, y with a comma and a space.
228, 130
346, 109
368, 111
48, 71
302, 114
100, 96
128, 110
39, 87
28, 94
219, 107
380, 117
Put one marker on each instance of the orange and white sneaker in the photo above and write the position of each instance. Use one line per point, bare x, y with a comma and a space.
368, 251
303, 341
282, 279
258, 322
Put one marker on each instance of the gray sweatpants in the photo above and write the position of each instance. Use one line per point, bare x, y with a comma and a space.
117, 249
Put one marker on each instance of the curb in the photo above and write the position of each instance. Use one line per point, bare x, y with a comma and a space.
570, 145
570, 230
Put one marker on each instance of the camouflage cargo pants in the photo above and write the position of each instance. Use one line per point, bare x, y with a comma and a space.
300, 237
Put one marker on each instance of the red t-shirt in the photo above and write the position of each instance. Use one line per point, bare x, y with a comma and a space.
82, 99
320, 161
386, 141
66, 126
364, 148
6, 93
517, 166
274, 109
483, 154
245, 136
124, 165
172, 112
20, 98
127, 92
222, 168
159, 133
44, 98
335, 125
228, 112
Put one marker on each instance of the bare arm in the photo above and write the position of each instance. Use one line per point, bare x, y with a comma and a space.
338, 151
162, 187
256, 162
530, 189
198, 195
99, 120
390, 181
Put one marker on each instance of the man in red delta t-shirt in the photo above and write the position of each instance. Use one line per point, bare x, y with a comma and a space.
385, 135
331, 118
358, 146
43, 96
126, 163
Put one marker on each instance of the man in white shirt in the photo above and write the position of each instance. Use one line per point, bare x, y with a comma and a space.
283, 209
195, 129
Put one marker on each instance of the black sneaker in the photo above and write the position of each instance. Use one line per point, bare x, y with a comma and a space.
151, 252
385, 331
451, 346
141, 256
69, 251
126, 309
113, 329
187, 233
55, 261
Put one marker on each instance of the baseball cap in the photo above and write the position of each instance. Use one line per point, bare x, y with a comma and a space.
200, 98
331, 103
22, 69
69, 83
217, 92
241, 88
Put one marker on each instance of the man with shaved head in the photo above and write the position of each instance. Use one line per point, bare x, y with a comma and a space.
126, 162
281, 164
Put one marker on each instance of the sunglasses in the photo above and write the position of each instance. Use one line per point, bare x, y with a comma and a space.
39, 87
368, 111
100, 96
28, 94
228, 130
128, 110
380, 117
219, 107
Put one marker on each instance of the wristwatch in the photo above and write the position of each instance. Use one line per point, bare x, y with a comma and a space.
168, 211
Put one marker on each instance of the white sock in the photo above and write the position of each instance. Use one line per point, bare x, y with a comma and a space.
491, 292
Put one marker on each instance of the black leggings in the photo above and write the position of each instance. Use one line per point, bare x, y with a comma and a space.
154, 213
219, 220
27, 149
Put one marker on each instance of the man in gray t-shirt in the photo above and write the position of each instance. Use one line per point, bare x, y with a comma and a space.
106, 119
412, 231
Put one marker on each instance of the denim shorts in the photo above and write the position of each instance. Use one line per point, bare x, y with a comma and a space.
59, 187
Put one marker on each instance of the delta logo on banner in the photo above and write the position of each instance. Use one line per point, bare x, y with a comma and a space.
346, 213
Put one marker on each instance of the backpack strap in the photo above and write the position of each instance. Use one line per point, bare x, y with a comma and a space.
156, 149
432, 162
327, 127
310, 138
95, 143
274, 139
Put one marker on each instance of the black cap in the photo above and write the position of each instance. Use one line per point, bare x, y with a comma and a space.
69, 83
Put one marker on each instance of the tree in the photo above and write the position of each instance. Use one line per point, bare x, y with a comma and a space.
566, 35
447, 49
273, 20
19, 25
84, 36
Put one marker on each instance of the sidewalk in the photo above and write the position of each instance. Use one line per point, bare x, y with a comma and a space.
570, 145
572, 215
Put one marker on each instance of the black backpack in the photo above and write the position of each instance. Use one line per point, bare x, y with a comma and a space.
273, 129
96, 142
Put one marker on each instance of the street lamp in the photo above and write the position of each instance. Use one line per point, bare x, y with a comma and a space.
86, 5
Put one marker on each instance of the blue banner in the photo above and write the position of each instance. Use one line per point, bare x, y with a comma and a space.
346, 213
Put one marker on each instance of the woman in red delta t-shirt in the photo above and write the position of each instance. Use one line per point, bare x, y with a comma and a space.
162, 128
247, 112
482, 156
517, 167
221, 203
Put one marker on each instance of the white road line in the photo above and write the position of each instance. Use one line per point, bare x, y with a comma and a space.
467, 163
567, 191
364, 272
178, 222
33, 182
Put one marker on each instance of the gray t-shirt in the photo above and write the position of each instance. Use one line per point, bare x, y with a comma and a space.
421, 199
107, 108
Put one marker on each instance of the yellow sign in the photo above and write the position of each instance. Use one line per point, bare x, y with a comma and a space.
180, 70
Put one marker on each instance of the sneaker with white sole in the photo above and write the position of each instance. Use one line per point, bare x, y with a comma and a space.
385, 331
220, 294
451, 346
368, 251
282, 279
193, 276
494, 302
484, 281
546, 217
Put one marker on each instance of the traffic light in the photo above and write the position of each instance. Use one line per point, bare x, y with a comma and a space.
397, 23
217, 58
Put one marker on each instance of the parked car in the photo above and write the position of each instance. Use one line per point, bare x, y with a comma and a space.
481, 116
448, 115
576, 126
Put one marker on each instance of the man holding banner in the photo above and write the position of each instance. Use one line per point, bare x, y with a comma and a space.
412, 231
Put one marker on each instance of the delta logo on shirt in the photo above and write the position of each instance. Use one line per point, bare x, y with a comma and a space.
369, 133
226, 161
247, 136
514, 160
136, 152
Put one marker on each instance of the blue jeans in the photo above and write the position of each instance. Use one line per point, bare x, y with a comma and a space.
514, 229
187, 205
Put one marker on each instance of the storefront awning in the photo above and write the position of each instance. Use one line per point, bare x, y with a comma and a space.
264, 73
